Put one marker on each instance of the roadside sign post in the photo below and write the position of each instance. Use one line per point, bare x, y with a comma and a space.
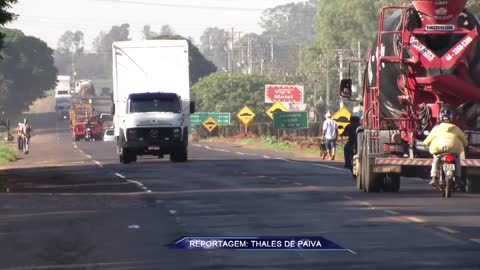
210, 124
276, 107
197, 119
290, 120
342, 117
246, 116
284, 93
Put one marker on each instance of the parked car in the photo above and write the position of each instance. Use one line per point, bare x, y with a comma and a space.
108, 135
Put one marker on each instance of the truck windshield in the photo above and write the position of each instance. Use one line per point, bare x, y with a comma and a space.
154, 105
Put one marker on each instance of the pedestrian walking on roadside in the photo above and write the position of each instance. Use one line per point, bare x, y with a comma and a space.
19, 137
329, 136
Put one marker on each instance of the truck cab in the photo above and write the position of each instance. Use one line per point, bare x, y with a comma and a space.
154, 124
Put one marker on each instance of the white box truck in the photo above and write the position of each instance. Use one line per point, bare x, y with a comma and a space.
63, 97
151, 94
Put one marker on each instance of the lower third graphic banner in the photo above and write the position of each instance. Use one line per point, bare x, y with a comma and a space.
258, 243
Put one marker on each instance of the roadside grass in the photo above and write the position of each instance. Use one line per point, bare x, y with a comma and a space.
271, 143
7, 154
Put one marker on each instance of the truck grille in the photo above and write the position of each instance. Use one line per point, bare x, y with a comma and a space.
151, 134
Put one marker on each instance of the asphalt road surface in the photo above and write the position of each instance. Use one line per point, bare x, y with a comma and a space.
73, 206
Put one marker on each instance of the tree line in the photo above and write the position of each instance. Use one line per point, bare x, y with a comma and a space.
27, 68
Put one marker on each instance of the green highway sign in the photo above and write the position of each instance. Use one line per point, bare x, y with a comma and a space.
290, 120
198, 118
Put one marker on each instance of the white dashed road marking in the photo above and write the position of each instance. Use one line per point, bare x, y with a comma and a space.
136, 183
391, 212
448, 230
415, 219
348, 197
98, 163
121, 176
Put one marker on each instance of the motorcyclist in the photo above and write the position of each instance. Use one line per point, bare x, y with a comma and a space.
445, 138
350, 131
88, 125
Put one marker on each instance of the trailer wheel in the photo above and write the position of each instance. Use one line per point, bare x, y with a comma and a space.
358, 162
391, 182
371, 180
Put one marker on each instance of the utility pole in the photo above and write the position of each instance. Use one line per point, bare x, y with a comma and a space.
300, 46
230, 68
327, 98
272, 56
340, 71
73, 67
250, 56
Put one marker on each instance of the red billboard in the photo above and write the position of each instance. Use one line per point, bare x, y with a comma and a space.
284, 93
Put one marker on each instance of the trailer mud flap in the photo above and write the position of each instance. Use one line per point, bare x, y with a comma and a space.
387, 169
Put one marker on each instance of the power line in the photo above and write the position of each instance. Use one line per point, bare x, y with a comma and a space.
223, 8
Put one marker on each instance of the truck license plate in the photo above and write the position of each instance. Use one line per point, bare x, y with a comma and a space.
154, 148
449, 167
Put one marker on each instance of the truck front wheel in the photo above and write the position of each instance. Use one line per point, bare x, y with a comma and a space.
126, 156
179, 155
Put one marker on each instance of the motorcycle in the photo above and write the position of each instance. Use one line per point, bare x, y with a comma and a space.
88, 134
447, 172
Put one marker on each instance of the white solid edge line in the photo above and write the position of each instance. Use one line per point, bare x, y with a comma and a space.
267, 157
331, 167
446, 229
119, 175
415, 219
88, 156
240, 153
197, 145
476, 240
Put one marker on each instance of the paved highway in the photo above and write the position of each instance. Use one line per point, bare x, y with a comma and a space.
73, 206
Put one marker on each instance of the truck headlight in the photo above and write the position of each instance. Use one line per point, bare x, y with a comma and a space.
131, 134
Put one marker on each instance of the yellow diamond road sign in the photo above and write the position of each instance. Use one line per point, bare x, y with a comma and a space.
210, 124
245, 115
276, 107
342, 117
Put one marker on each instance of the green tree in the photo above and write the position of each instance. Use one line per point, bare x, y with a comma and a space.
71, 42
5, 15
199, 65
222, 92
214, 45
289, 27
26, 72
166, 30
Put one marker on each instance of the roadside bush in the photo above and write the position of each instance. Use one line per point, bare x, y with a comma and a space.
7, 154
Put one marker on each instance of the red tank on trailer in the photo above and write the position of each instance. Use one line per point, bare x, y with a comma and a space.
426, 56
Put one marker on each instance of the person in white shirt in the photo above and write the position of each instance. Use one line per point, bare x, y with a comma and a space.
329, 135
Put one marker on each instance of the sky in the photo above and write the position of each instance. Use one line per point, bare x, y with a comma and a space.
49, 19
